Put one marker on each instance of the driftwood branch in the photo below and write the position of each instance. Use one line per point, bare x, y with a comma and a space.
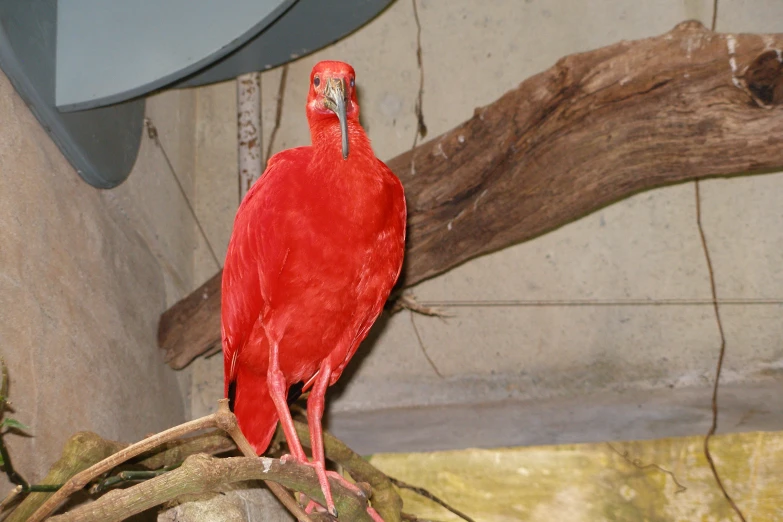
173, 453
593, 129
201, 474
114, 459
222, 419
87, 457
85, 449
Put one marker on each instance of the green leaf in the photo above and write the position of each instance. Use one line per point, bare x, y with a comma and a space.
15, 424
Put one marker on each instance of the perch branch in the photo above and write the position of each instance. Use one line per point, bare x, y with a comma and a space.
175, 452
593, 129
80, 480
222, 419
229, 425
202, 473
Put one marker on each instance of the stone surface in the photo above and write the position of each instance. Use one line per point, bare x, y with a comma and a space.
669, 481
609, 315
594, 416
234, 505
84, 276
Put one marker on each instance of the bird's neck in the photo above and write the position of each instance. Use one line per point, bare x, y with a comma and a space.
327, 142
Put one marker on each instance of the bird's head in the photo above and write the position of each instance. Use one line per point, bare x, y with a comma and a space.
332, 97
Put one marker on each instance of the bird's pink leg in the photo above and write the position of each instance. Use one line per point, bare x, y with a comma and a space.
278, 390
315, 412
315, 409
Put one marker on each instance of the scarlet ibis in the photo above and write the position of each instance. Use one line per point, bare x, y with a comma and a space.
316, 248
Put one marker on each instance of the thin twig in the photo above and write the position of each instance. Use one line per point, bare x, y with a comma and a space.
426, 494
152, 133
421, 127
408, 301
424, 350
722, 353
4, 403
278, 112
13, 476
424, 307
638, 464
211, 442
714, 23
128, 476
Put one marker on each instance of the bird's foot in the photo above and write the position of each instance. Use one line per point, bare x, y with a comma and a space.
323, 480
350, 486
374, 514
347, 484
312, 505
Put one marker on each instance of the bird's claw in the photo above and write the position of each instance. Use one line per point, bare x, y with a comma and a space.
374, 514
288, 458
312, 505
323, 480
350, 486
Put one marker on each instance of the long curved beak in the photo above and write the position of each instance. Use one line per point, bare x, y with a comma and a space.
335, 101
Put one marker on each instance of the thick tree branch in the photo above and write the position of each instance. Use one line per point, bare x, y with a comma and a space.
81, 479
223, 419
201, 474
593, 129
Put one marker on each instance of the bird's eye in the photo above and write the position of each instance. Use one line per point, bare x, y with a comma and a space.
316, 81
353, 81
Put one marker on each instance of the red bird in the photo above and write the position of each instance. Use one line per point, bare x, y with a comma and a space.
316, 248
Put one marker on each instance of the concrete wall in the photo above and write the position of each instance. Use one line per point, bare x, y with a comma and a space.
84, 276
520, 374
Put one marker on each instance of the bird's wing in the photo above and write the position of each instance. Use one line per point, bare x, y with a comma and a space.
255, 249
387, 264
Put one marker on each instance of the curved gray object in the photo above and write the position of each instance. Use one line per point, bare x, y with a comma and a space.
306, 27
132, 48
101, 144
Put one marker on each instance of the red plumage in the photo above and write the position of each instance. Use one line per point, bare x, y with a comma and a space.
316, 248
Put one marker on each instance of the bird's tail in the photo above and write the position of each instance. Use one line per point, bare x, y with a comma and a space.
253, 407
